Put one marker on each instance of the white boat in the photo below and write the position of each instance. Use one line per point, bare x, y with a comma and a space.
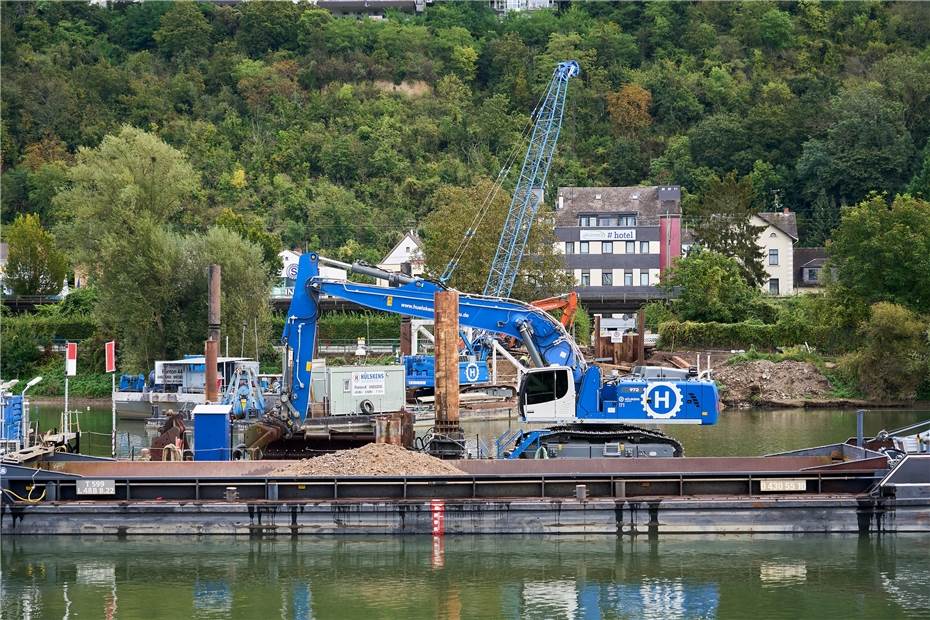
179, 385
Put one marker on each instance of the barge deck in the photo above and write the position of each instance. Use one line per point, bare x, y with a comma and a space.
788, 494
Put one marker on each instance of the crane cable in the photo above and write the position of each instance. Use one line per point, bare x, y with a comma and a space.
485, 206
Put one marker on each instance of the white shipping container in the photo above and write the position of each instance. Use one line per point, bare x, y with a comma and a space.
347, 390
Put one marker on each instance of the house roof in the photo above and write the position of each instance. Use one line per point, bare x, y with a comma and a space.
785, 222
644, 201
806, 258
413, 236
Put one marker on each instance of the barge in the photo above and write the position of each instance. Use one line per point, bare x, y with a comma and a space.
630, 497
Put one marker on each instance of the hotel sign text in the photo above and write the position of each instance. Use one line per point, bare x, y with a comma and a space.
608, 234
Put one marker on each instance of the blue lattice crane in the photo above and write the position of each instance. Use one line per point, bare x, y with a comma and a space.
528, 193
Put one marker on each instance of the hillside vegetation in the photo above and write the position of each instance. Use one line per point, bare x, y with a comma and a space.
143, 141
338, 134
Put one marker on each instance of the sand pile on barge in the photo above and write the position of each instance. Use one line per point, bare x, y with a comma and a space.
762, 382
374, 459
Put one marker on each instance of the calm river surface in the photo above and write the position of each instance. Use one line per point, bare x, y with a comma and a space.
467, 577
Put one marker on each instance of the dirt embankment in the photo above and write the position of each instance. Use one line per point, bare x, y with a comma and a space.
765, 383
374, 459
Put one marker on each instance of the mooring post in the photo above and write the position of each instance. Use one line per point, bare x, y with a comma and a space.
211, 347
448, 435
860, 432
447, 357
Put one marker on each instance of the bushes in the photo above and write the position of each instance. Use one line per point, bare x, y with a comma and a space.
48, 328
693, 335
87, 383
582, 327
26, 336
657, 312
893, 361
348, 326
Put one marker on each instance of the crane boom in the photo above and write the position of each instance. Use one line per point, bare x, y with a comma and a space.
527, 195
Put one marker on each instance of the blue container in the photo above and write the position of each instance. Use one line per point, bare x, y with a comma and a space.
212, 433
13, 418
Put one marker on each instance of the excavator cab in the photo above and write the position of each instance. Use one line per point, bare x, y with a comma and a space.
547, 395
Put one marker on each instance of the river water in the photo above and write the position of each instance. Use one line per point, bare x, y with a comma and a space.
544, 577
467, 577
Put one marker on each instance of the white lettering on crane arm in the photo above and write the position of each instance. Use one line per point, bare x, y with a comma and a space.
419, 308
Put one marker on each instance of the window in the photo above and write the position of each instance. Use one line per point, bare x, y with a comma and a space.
607, 247
583, 247
644, 247
627, 220
585, 278
587, 220
628, 278
812, 275
631, 247
545, 386
644, 278
607, 279
607, 221
773, 286
569, 247
773, 257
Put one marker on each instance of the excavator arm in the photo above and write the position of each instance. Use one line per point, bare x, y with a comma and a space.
567, 303
545, 339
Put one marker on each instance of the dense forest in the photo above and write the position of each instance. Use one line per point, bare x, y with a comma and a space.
143, 141
339, 134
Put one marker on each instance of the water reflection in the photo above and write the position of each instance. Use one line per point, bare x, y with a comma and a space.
477, 577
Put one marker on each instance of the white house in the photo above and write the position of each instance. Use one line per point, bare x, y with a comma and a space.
777, 239
408, 250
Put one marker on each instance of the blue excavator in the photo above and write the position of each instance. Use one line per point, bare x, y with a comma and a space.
586, 414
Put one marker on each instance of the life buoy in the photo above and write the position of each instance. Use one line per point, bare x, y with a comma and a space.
367, 406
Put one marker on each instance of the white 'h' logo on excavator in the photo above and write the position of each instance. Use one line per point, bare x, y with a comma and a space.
661, 400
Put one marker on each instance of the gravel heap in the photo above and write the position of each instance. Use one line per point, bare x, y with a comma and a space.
374, 459
762, 381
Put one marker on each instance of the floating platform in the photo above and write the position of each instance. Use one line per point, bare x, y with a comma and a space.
780, 494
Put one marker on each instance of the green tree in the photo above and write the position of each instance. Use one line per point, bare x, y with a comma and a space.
184, 30
920, 184
251, 229
722, 224
881, 252
542, 272
130, 177
867, 147
34, 266
825, 217
265, 26
709, 287
892, 363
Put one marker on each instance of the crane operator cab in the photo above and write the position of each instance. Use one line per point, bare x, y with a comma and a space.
548, 395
